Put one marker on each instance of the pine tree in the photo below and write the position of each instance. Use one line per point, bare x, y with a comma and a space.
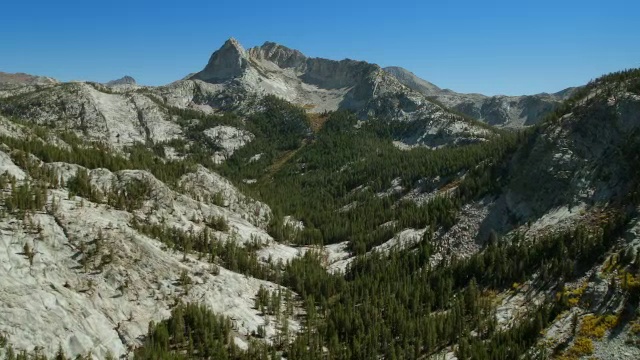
60, 354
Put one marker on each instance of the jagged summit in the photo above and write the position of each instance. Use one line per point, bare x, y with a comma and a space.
232, 61
320, 84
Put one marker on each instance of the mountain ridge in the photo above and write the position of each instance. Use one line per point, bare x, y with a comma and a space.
325, 85
353, 84
499, 110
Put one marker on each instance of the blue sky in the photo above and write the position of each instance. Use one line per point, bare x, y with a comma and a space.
491, 47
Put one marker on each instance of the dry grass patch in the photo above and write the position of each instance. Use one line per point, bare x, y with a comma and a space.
316, 121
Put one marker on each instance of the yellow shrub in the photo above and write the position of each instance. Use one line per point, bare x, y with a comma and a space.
628, 282
581, 347
574, 296
594, 326
610, 321
573, 301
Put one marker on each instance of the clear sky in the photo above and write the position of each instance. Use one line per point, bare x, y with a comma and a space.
491, 47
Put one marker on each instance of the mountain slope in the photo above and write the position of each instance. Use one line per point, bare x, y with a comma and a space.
104, 252
97, 112
578, 173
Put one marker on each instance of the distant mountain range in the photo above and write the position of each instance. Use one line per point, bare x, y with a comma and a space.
324, 85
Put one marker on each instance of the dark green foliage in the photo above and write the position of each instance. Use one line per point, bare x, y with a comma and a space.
94, 156
81, 185
218, 223
60, 354
185, 279
26, 197
394, 304
308, 277
43, 174
281, 123
194, 124
131, 196
513, 343
227, 253
192, 332
217, 199
3, 340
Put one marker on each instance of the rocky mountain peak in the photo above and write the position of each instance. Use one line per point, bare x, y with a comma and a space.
125, 80
233, 43
226, 63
